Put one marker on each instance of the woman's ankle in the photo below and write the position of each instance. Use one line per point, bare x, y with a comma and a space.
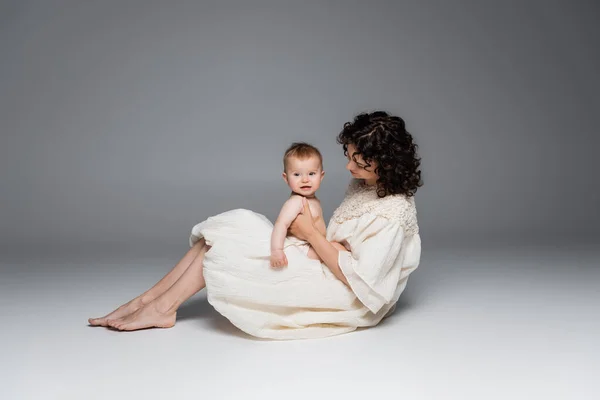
146, 298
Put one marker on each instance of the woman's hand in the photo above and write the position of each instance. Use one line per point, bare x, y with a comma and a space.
303, 226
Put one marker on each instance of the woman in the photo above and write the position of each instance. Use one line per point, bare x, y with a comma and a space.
371, 247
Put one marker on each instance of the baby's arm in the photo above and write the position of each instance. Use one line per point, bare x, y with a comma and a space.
291, 208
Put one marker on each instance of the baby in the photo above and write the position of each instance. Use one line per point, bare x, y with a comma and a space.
303, 172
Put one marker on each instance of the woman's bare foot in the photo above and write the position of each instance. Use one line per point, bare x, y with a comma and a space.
120, 312
149, 316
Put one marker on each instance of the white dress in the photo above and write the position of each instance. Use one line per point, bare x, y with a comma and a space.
304, 299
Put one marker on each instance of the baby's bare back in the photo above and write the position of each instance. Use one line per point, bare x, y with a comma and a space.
315, 210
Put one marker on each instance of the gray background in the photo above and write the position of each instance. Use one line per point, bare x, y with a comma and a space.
126, 122
123, 123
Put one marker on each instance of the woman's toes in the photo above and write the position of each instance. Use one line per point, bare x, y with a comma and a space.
113, 322
97, 321
120, 312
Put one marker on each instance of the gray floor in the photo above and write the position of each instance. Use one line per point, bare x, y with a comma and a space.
517, 322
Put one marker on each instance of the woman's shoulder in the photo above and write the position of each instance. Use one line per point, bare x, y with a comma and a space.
362, 201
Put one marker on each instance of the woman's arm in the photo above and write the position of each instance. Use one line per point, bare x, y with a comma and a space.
321, 226
303, 227
328, 253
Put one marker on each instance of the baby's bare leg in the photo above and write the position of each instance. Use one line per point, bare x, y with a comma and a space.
159, 288
312, 254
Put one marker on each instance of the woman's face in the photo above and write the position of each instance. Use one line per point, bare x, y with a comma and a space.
358, 167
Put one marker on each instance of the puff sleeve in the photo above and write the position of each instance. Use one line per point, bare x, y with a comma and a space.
373, 267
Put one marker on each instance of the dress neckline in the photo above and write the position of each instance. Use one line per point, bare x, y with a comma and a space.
360, 185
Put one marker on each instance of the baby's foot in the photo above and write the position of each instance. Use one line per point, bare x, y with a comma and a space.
146, 317
120, 312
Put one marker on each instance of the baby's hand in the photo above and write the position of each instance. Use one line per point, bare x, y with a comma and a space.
278, 259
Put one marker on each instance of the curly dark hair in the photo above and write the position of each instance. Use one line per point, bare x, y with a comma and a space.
383, 138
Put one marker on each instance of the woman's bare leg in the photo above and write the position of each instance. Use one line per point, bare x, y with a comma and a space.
162, 311
159, 288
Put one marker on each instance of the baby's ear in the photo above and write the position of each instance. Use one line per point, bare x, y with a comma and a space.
284, 175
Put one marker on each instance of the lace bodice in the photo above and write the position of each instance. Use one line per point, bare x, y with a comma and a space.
361, 199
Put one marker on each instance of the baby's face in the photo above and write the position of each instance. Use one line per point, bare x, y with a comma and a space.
304, 176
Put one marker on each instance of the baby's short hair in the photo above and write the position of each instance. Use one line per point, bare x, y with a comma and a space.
302, 151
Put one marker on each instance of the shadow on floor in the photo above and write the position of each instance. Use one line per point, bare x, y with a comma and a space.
201, 309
